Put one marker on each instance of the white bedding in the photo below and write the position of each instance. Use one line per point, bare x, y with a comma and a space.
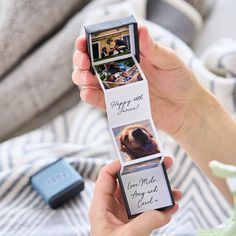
81, 136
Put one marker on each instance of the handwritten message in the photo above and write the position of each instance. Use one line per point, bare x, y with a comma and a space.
126, 105
146, 190
146, 197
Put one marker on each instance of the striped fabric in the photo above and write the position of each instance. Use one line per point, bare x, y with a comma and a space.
22, 211
82, 137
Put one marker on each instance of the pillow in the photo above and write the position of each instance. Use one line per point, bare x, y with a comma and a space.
177, 16
25, 23
34, 80
204, 7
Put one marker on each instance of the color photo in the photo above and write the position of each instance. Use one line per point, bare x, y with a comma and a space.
136, 140
111, 43
142, 166
118, 73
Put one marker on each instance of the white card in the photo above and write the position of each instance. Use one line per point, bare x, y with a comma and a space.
146, 190
114, 52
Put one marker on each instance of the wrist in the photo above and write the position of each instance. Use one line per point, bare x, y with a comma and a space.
207, 134
199, 116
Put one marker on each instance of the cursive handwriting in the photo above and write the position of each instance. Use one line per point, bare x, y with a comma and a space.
146, 181
128, 105
143, 191
142, 203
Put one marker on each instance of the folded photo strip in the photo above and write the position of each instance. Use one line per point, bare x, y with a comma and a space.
113, 49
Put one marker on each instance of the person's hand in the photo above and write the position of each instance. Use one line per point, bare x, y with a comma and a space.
172, 86
180, 105
107, 212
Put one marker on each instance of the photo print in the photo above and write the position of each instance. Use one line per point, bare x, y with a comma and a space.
136, 140
111, 43
144, 165
118, 73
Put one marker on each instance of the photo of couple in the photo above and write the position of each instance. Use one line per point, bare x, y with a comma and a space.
111, 43
118, 73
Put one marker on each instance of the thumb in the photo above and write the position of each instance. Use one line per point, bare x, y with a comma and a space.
145, 223
158, 55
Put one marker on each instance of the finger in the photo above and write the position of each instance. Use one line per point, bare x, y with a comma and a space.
172, 210
158, 55
81, 60
93, 96
106, 182
147, 67
145, 223
177, 195
118, 195
168, 162
85, 78
81, 43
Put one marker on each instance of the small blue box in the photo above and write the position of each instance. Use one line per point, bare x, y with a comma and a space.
57, 183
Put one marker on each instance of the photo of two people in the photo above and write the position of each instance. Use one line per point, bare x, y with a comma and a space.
111, 43
118, 73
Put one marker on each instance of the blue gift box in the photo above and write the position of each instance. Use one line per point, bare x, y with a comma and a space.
57, 183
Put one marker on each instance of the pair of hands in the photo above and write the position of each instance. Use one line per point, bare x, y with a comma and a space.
173, 90
108, 214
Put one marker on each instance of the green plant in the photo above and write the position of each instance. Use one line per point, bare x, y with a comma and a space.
228, 172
